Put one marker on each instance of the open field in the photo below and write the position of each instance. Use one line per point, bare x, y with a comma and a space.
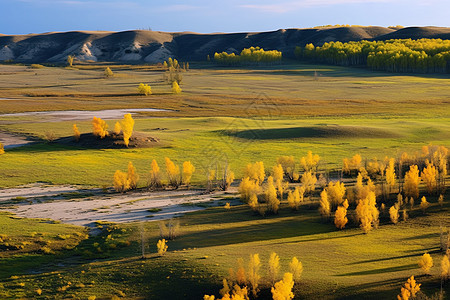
231, 115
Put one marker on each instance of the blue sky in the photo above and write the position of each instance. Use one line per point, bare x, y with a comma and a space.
36, 16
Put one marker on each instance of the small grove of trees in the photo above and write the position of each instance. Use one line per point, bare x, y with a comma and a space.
100, 128
126, 181
252, 55
242, 280
144, 89
395, 55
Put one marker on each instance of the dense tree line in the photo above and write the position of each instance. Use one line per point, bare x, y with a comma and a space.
396, 55
248, 55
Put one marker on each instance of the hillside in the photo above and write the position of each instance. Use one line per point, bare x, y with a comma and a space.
139, 46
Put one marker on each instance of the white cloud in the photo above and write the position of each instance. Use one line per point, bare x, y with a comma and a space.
294, 5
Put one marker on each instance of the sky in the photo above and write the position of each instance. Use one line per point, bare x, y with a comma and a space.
206, 16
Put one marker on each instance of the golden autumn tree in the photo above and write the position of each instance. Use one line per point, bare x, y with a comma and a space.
295, 198
117, 128
70, 59
227, 179
76, 132
173, 173
99, 127
253, 273
282, 290
340, 216
176, 88
310, 162
425, 262
410, 289
2, 149
445, 268
255, 172
127, 125
393, 214
324, 207
162, 247
247, 188
336, 192
296, 268
120, 181
144, 89
390, 174
188, 170
288, 165
108, 73
366, 212
351, 164
241, 277
274, 266
132, 176
273, 203
411, 182
155, 177
441, 200
308, 181
429, 176
278, 176
424, 204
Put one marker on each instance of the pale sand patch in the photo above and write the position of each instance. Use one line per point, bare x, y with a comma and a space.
113, 207
12, 141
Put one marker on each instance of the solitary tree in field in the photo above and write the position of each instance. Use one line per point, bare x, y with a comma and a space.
425, 262
411, 182
76, 132
120, 181
282, 290
162, 247
132, 176
296, 268
108, 73
176, 88
188, 170
274, 266
70, 59
2, 149
99, 127
127, 125
144, 89
410, 290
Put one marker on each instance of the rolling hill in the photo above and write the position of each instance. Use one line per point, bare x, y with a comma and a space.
138, 46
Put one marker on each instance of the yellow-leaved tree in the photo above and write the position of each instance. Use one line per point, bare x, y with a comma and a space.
393, 213
132, 176
155, 177
288, 165
366, 212
176, 88
282, 290
390, 174
296, 268
310, 162
340, 216
324, 207
255, 172
120, 181
248, 188
173, 173
425, 262
336, 193
352, 164
188, 170
424, 204
430, 175
108, 73
144, 89
76, 132
309, 180
162, 247
253, 273
2, 149
99, 127
227, 179
445, 268
411, 182
410, 290
127, 125
274, 266
273, 203
117, 128
296, 198
241, 277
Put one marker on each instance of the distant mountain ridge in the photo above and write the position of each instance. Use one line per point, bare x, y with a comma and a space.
139, 46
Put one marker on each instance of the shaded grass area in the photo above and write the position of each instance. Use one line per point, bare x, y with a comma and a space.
336, 264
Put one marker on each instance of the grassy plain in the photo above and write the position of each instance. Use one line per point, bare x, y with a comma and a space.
238, 115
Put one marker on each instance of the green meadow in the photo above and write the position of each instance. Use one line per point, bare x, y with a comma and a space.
231, 116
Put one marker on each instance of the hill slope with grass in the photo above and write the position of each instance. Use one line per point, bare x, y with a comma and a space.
153, 46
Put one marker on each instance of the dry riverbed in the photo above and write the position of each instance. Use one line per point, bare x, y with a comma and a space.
74, 205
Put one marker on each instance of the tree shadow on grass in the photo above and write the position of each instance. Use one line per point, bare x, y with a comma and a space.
381, 271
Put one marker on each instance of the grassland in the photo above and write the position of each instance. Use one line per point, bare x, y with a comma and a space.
234, 115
